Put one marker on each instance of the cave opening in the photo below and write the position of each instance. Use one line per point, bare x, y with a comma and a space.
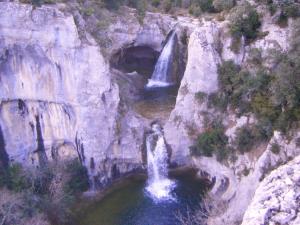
152, 78
140, 59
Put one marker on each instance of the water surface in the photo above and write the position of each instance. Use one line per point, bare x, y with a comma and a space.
131, 205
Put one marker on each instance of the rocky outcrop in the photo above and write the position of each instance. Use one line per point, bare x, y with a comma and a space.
277, 198
200, 76
57, 97
243, 176
233, 182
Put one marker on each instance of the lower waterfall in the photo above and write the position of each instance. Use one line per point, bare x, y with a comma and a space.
159, 186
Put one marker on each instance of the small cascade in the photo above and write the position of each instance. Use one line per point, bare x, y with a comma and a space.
159, 186
162, 76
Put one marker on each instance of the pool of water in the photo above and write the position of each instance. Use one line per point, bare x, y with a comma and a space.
157, 103
131, 205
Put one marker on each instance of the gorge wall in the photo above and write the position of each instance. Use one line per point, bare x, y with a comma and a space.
61, 96
58, 99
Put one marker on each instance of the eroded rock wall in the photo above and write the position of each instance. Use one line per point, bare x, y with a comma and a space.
234, 182
57, 95
276, 200
200, 76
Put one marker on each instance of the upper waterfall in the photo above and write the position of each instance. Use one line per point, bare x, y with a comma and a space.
159, 186
162, 76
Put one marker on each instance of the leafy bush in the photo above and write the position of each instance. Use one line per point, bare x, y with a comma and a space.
155, 3
112, 4
221, 5
286, 8
167, 5
195, 10
218, 100
78, 178
275, 148
41, 180
200, 96
211, 141
272, 96
244, 21
15, 178
234, 86
255, 56
245, 139
228, 76
206, 5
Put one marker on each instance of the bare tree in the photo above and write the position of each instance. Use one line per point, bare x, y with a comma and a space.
209, 207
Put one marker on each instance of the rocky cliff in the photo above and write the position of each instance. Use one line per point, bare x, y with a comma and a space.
276, 200
63, 96
58, 99
234, 182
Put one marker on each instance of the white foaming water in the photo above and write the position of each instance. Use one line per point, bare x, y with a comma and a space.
159, 186
160, 77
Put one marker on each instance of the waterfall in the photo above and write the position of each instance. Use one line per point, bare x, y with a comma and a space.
161, 76
159, 186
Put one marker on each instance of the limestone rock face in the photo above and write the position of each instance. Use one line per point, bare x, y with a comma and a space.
236, 183
57, 98
200, 76
127, 31
276, 200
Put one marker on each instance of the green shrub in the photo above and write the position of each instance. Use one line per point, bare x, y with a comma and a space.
112, 4
264, 129
222, 153
167, 5
16, 179
41, 180
244, 21
205, 5
287, 9
221, 5
263, 107
228, 76
79, 180
272, 9
244, 139
155, 3
211, 141
272, 95
250, 135
200, 96
141, 10
88, 11
218, 100
255, 56
195, 10
234, 86
275, 148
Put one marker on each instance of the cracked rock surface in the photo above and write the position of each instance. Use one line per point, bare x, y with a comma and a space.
277, 199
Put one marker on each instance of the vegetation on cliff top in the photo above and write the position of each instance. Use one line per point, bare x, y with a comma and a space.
271, 94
